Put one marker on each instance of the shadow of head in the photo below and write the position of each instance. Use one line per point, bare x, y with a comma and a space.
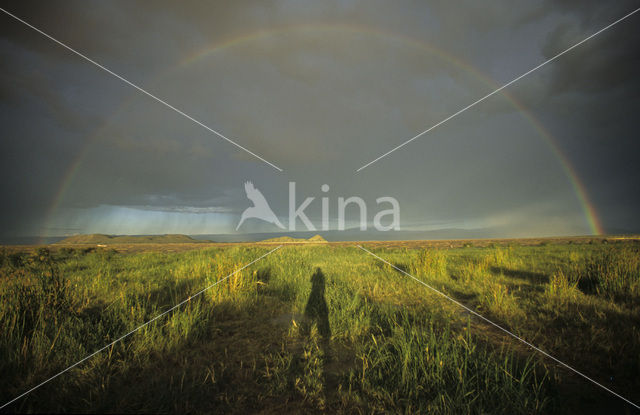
317, 282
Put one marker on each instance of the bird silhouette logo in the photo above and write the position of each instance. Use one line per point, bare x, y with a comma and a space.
260, 209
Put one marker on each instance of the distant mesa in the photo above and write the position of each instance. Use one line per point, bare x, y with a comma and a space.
317, 239
104, 240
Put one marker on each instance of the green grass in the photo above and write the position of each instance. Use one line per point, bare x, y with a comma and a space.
321, 328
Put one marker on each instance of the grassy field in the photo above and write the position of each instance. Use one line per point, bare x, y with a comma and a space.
324, 328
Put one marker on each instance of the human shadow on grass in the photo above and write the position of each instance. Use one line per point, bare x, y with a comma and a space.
316, 309
215, 365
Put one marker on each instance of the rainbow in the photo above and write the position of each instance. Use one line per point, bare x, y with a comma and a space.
578, 187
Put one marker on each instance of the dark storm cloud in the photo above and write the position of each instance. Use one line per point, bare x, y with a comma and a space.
53, 103
604, 63
597, 89
319, 104
113, 33
47, 106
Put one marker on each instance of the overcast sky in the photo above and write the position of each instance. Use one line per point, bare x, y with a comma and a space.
318, 89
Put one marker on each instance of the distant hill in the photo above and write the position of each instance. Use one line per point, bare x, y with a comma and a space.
317, 239
100, 239
496, 232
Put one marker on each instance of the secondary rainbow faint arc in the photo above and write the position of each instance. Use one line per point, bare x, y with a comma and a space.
574, 180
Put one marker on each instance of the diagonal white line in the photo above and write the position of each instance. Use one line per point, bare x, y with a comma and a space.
501, 328
497, 90
138, 328
142, 90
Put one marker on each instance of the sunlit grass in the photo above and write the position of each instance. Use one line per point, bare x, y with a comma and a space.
319, 328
